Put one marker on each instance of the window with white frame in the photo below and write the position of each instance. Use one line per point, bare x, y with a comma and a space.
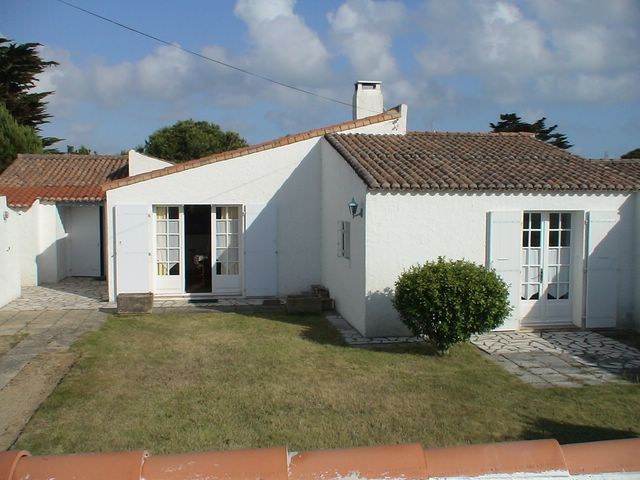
344, 239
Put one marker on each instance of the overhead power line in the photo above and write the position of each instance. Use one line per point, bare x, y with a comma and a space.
205, 57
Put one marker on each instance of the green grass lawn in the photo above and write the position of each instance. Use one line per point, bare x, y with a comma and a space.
203, 381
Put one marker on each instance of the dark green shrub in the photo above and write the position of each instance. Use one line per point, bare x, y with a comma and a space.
448, 301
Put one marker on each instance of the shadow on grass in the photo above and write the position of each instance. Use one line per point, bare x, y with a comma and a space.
566, 432
317, 329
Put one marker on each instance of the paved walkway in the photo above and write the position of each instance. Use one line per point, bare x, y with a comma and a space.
542, 359
46, 332
561, 359
73, 293
354, 338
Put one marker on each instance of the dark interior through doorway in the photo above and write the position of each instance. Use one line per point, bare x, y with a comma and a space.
197, 232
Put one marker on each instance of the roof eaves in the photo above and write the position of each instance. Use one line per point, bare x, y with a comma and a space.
390, 114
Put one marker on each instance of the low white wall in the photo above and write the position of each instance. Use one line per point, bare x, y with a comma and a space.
52, 254
408, 228
44, 255
9, 253
343, 277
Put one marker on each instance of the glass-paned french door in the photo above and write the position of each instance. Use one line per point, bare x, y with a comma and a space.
168, 241
183, 246
546, 268
228, 220
169, 245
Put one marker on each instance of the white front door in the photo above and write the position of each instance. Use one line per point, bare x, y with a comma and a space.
226, 245
546, 269
169, 258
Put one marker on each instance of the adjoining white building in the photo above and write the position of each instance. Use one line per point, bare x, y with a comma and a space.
352, 205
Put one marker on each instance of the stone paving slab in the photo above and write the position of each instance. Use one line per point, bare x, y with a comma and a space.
72, 293
57, 330
354, 338
561, 359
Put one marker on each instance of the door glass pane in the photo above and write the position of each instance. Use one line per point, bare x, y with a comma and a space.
535, 239
565, 238
174, 212
554, 220
563, 291
534, 292
566, 220
234, 268
552, 291
162, 241
161, 212
536, 221
174, 241
161, 227
221, 226
553, 239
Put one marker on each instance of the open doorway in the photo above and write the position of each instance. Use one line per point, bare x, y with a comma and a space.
197, 232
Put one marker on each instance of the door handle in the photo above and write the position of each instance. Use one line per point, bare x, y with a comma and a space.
541, 271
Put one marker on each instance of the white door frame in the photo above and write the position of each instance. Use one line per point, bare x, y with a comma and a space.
227, 284
168, 284
542, 256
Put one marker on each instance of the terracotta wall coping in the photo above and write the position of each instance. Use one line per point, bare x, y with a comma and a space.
603, 457
528, 459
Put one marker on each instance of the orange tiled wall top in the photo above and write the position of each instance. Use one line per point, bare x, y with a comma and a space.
607, 459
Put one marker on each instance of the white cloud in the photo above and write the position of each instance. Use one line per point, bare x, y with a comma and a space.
536, 48
363, 31
282, 44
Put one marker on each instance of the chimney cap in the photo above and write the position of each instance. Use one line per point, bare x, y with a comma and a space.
376, 82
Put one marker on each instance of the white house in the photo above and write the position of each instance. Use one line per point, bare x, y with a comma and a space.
352, 205
272, 219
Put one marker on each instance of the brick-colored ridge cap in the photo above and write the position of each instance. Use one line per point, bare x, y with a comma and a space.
391, 114
526, 459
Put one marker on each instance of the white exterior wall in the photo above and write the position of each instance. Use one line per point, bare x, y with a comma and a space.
289, 176
139, 163
44, 250
52, 253
345, 278
636, 242
403, 229
9, 254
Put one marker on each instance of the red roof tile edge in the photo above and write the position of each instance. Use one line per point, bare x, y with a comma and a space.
391, 114
392, 461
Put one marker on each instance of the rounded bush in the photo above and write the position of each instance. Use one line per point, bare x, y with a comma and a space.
450, 300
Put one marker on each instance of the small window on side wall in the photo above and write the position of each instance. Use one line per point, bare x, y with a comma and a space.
344, 239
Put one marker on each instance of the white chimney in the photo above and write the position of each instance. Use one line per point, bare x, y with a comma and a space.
367, 99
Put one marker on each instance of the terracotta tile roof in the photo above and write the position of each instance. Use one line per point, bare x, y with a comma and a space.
391, 114
474, 161
528, 459
60, 178
629, 167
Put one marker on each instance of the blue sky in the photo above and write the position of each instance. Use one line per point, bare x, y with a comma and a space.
458, 64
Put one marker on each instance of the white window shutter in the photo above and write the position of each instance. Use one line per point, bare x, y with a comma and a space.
602, 269
260, 250
504, 240
133, 250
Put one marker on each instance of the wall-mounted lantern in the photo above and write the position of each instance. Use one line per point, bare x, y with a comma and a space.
353, 208
5, 215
